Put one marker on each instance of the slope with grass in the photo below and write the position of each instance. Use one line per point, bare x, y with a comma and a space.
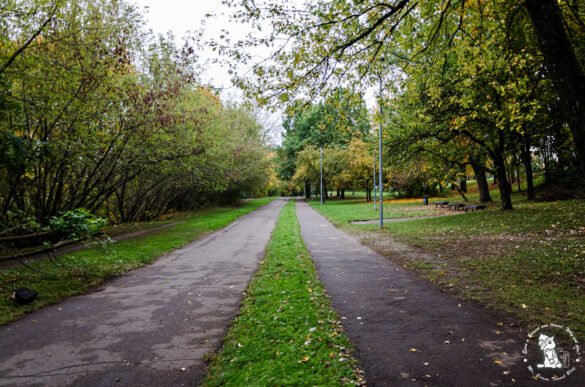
287, 333
86, 269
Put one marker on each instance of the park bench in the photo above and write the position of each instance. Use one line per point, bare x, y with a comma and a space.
442, 204
455, 206
473, 207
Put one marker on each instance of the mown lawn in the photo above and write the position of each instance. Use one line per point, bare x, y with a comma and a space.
341, 212
528, 264
287, 333
85, 270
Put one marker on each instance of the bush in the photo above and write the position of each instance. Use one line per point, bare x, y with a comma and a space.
77, 224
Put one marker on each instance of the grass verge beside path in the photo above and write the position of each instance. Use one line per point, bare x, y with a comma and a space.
287, 333
528, 264
87, 269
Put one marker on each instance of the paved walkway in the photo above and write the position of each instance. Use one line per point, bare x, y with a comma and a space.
152, 326
388, 313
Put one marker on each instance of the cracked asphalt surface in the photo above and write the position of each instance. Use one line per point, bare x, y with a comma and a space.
406, 332
152, 326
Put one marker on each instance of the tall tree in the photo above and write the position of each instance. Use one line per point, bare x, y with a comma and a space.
562, 65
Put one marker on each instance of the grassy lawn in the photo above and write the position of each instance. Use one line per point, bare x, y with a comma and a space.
287, 333
89, 268
341, 212
528, 264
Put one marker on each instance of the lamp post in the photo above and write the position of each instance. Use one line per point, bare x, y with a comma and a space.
374, 165
381, 187
321, 157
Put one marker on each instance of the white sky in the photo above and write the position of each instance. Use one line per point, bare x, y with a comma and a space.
181, 16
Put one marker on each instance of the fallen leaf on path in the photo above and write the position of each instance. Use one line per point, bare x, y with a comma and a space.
413, 350
497, 362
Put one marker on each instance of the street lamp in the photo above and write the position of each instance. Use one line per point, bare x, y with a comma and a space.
321, 157
381, 187
374, 165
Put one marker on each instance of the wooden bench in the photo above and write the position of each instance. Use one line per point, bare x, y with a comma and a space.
455, 206
442, 204
474, 207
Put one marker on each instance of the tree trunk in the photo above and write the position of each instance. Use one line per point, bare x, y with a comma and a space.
463, 185
308, 190
498, 155
504, 184
545, 157
343, 193
526, 157
517, 164
482, 183
563, 67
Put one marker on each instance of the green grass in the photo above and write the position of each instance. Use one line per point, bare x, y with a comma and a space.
341, 212
527, 264
287, 333
90, 268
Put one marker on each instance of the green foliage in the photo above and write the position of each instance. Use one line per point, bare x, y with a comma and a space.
77, 224
469, 79
286, 333
96, 113
333, 122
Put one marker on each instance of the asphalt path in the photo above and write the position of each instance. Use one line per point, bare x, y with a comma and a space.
152, 326
407, 332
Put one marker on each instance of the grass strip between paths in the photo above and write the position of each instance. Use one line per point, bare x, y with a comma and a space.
286, 333
87, 269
